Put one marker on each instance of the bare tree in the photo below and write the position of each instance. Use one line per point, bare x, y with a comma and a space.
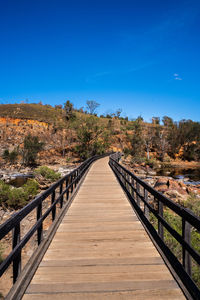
92, 106
118, 112
148, 139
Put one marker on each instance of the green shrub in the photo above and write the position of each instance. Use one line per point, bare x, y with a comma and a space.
127, 152
17, 197
48, 173
31, 187
32, 147
6, 155
5, 190
138, 159
152, 162
13, 156
10, 156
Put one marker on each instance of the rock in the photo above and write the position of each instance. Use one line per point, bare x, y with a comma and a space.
161, 181
139, 171
151, 172
176, 196
65, 170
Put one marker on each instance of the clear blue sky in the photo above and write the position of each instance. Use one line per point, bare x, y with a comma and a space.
141, 56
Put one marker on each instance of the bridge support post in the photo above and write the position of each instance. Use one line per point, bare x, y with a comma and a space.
138, 192
54, 208
17, 259
146, 209
61, 199
186, 234
40, 229
160, 226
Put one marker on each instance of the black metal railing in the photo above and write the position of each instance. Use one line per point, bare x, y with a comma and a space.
59, 194
151, 205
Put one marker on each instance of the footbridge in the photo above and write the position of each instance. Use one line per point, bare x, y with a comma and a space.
106, 240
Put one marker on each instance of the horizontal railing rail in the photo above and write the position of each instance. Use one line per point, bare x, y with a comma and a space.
66, 186
150, 205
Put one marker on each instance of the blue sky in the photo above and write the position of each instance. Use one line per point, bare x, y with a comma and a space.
141, 56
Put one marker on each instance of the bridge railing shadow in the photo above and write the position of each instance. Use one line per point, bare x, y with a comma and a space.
151, 207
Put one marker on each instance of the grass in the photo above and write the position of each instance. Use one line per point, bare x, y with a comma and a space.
43, 113
48, 114
175, 222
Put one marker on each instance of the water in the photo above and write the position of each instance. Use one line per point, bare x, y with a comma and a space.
20, 179
190, 176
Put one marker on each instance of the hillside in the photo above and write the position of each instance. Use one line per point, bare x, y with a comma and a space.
60, 136
82, 134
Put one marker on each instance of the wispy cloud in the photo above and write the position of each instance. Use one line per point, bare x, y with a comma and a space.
177, 77
93, 78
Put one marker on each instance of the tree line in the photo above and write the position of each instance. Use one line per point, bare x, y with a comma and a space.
175, 139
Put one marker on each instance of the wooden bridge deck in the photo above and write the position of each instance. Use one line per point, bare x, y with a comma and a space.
101, 250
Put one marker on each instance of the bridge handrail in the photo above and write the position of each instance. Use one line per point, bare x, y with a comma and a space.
13, 223
132, 186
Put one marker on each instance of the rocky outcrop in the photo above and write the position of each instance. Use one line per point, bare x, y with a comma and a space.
174, 189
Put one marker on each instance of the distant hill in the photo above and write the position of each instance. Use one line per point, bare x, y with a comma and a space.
43, 113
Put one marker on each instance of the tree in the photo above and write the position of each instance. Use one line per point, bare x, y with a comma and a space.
68, 107
156, 120
137, 141
148, 139
92, 138
167, 121
31, 148
92, 106
160, 142
118, 112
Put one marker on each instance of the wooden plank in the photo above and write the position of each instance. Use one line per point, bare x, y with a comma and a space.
122, 295
101, 250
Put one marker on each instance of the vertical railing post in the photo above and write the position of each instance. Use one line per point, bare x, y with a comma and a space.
40, 228
66, 185
17, 259
146, 209
132, 188
54, 208
186, 234
129, 185
61, 199
72, 184
138, 192
75, 177
160, 225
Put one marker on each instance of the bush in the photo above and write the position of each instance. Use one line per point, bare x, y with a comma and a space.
31, 187
5, 190
127, 152
31, 148
152, 162
17, 197
48, 173
137, 159
13, 156
6, 155
10, 156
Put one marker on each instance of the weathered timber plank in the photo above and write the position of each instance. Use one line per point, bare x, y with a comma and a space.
101, 250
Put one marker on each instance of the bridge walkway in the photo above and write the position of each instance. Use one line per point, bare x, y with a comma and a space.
101, 250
